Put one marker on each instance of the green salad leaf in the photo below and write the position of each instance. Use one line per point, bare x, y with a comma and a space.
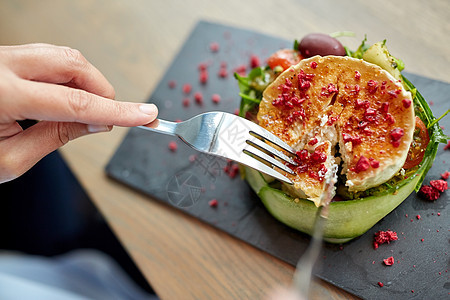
252, 87
296, 45
435, 132
360, 51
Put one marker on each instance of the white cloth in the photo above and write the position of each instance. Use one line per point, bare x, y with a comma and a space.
81, 274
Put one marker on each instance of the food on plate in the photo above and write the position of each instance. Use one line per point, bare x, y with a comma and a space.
325, 101
364, 135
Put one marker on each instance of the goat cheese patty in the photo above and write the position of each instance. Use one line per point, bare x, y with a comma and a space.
335, 109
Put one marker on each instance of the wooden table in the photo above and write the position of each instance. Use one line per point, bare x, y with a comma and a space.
132, 43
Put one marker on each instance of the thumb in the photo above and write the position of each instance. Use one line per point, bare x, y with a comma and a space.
22, 151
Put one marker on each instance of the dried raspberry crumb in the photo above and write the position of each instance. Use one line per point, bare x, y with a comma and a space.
203, 78
202, 66
439, 185
172, 84
356, 140
380, 284
438, 214
370, 112
213, 203
362, 165
331, 120
215, 98
445, 175
223, 73
241, 70
418, 217
357, 75
421, 240
187, 88
429, 193
214, 46
396, 134
198, 97
254, 61
389, 261
234, 171
390, 118
186, 102
382, 237
406, 103
384, 107
173, 146
447, 147
331, 88
314, 64
372, 86
375, 164
313, 141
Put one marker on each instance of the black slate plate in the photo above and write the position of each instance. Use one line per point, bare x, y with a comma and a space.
188, 180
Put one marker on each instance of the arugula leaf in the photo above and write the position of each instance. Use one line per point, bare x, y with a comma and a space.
400, 64
434, 130
252, 87
296, 45
438, 119
361, 49
348, 52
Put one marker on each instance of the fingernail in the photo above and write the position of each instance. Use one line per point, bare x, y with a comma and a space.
98, 128
149, 109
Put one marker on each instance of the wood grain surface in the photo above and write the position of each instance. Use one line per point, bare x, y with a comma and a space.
133, 42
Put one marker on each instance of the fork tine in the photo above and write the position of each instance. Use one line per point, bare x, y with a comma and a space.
261, 167
259, 131
256, 142
267, 158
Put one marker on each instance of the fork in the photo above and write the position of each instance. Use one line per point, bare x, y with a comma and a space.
229, 136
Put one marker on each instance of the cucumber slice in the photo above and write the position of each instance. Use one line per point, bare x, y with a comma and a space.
378, 54
255, 179
346, 219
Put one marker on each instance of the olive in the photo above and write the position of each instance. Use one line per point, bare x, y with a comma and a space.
320, 44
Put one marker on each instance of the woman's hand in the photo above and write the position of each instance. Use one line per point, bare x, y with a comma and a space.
69, 96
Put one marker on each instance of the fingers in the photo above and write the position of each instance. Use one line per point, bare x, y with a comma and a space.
23, 150
10, 129
54, 64
34, 96
51, 102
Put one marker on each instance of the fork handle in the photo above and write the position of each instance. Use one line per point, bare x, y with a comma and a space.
161, 126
